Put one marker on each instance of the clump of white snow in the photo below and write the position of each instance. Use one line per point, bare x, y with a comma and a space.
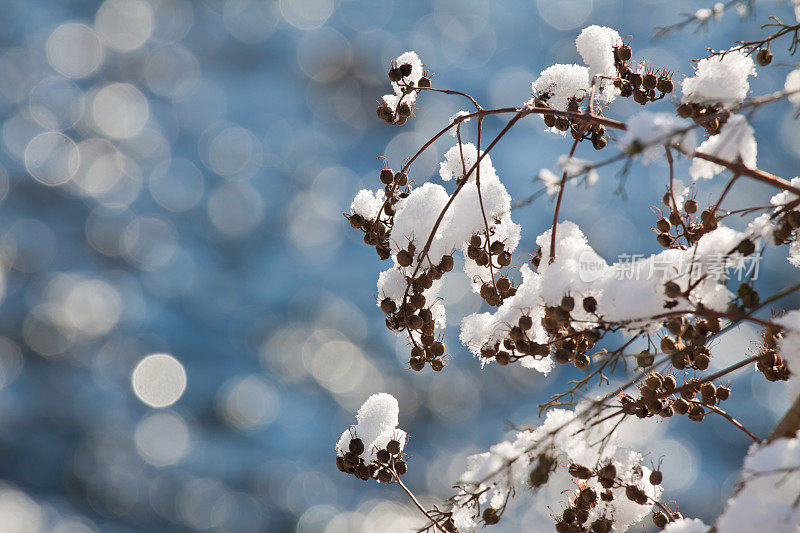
596, 46
720, 80
767, 499
376, 425
735, 142
563, 436
558, 83
792, 84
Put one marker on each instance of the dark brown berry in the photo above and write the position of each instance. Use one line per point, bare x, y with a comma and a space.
764, 57
404, 258
656, 477
664, 85
490, 516
393, 447
685, 110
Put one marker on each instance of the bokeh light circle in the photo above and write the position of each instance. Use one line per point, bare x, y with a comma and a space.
52, 158
124, 25
120, 110
306, 14
159, 380
162, 439
74, 50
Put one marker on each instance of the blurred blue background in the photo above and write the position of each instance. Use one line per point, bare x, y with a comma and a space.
172, 181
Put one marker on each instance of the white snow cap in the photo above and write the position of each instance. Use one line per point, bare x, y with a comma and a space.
720, 80
558, 83
735, 141
686, 525
766, 500
377, 421
596, 46
792, 84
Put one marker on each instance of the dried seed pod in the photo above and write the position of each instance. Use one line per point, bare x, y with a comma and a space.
635, 494
663, 225
656, 477
590, 304
668, 345
599, 141
680, 406
404, 110
645, 359
685, 110
746, 247
793, 219
393, 447
417, 363
490, 516
404, 258
562, 356
424, 82
664, 85
446, 264
623, 53
672, 289
690, 206
417, 300
579, 471
764, 57
356, 446
503, 358
384, 476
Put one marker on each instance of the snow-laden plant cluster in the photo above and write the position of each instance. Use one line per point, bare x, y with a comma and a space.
564, 304
373, 448
611, 484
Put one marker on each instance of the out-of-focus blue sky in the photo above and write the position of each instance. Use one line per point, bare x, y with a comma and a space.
172, 178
